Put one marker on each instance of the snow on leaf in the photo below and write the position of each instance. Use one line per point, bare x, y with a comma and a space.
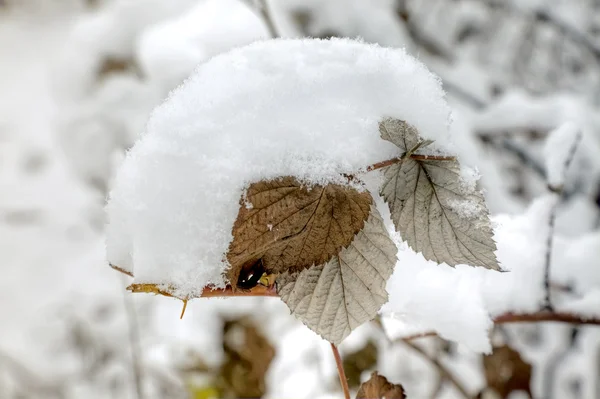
423, 195
334, 298
378, 387
291, 227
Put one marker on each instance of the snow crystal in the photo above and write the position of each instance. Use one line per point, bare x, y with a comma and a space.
308, 108
559, 152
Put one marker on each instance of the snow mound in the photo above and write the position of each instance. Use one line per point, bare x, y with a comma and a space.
308, 108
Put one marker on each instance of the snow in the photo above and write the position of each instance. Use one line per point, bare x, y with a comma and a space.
308, 108
60, 125
170, 50
459, 303
559, 152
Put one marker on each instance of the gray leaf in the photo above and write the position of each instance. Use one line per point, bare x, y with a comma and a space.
334, 298
434, 211
400, 133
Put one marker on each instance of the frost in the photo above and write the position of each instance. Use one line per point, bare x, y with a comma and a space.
306, 108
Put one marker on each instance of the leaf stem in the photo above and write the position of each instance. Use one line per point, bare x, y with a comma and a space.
417, 157
341, 373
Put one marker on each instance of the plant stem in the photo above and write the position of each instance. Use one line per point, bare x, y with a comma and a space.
341, 373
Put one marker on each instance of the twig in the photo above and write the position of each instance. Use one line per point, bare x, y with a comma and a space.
417, 157
548, 258
134, 342
538, 317
120, 269
440, 367
546, 316
545, 16
208, 292
341, 373
559, 191
266, 15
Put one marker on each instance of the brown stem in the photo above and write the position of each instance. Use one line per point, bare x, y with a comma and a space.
544, 316
417, 157
119, 269
341, 373
208, 292
261, 290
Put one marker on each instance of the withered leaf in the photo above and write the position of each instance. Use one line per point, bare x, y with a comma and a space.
357, 362
334, 298
291, 227
378, 387
506, 372
432, 209
248, 356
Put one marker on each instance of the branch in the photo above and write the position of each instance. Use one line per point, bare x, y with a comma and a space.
417, 157
537, 317
207, 292
134, 342
440, 367
341, 373
263, 7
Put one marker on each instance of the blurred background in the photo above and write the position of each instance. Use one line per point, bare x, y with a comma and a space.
78, 79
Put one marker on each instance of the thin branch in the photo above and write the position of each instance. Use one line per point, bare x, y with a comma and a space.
548, 259
440, 367
443, 372
263, 7
538, 317
559, 192
417, 157
120, 269
208, 292
341, 373
134, 342
546, 316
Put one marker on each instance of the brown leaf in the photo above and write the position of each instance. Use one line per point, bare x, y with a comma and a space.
356, 363
506, 371
334, 298
378, 387
288, 226
248, 355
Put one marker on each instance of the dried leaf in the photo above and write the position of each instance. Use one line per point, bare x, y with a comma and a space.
506, 372
378, 387
248, 356
333, 299
431, 207
288, 226
357, 362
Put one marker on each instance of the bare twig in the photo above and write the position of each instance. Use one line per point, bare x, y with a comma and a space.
440, 367
341, 373
548, 259
208, 292
417, 157
134, 342
559, 191
263, 7
120, 269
